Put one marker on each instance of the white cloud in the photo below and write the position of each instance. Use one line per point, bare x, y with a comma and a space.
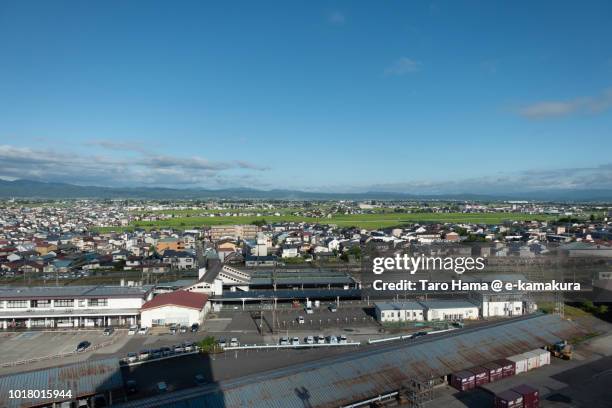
403, 66
562, 108
147, 169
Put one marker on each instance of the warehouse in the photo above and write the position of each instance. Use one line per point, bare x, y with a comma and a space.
71, 306
179, 307
358, 376
450, 310
99, 379
399, 312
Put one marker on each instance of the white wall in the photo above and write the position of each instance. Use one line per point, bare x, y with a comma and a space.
510, 308
172, 314
465, 313
399, 315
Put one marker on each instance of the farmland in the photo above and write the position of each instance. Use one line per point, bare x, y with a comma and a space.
367, 221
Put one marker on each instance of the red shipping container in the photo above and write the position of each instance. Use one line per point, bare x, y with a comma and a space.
481, 375
508, 367
463, 380
495, 371
508, 399
531, 396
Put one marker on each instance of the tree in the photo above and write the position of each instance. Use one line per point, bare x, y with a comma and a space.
259, 223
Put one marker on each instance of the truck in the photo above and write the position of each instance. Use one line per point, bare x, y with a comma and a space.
561, 349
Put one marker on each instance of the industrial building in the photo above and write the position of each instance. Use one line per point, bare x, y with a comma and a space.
399, 312
99, 379
426, 310
359, 376
71, 306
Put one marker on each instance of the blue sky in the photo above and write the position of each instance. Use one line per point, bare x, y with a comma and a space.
419, 96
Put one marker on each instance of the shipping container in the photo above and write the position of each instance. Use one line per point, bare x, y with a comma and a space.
508, 367
531, 396
495, 371
508, 399
463, 380
544, 356
520, 363
481, 375
533, 360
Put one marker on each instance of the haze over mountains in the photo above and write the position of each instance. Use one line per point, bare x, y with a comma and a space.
48, 190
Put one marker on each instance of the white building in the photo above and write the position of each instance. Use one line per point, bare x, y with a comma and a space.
399, 312
450, 310
71, 306
180, 307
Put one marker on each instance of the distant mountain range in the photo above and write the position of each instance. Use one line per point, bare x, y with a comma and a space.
44, 190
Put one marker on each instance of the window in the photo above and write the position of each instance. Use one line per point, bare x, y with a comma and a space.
40, 303
82, 303
17, 304
98, 302
64, 303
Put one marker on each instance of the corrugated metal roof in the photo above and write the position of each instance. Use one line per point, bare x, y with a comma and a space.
8, 292
399, 306
447, 304
357, 376
82, 379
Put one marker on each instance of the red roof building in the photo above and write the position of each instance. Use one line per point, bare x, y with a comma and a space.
180, 298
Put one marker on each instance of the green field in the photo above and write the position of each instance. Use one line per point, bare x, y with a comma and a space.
368, 221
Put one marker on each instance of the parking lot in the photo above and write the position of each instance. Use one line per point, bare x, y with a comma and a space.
27, 345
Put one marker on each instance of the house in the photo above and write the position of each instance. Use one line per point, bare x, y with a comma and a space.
290, 251
179, 307
179, 259
169, 243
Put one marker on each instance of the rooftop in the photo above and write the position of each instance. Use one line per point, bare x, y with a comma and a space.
400, 306
180, 298
83, 379
356, 376
60, 292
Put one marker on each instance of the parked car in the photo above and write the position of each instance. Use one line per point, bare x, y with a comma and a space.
143, 330
108, 331
309, 340
332, 340
132, 330
295, 341
156, 353
309, 310
300, 319
165, 351
179, 348
172, 329
82, 346
200, 379
419, 334
320, 339
234, 342
195, 327
333, 308
183, 329
221, 342
189, 347
343, 339
131, 357
162, 386
143, 354
284, 341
